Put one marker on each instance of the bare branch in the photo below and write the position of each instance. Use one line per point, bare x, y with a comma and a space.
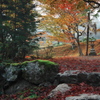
93, 3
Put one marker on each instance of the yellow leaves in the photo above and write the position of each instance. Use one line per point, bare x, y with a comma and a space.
62, 37
39, 34
69, 4
62, 23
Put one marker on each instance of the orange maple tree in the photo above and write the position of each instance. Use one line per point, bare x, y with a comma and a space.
70, 18
69, 4
63, 22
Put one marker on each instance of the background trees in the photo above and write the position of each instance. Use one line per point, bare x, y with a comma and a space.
68, 16
17, 25
66, 21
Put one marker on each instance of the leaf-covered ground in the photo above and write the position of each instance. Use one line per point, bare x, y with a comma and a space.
88, 64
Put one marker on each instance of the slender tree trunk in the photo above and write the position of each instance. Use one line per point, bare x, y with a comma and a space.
87, 42
79, 46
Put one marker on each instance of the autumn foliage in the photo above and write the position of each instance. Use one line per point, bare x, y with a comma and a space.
63, 20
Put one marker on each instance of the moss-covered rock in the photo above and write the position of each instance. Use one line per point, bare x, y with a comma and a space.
11, 71
36, 71
39, 71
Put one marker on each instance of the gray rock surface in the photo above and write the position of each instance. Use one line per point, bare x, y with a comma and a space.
68, 76
94, 78
11, 73
75, 76
84, 97
37, 73
17, 86
61, 88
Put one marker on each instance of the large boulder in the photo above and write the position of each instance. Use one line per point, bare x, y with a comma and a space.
82, 77
12, 71
16, 76
40, 71
94, 78
75, 76
69, 76
84, 97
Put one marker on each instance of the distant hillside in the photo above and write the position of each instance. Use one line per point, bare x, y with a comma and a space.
66, 50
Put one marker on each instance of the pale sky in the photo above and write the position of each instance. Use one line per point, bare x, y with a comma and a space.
97, 20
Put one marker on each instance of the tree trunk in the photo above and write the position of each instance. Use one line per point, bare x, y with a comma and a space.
87, 42
79, 46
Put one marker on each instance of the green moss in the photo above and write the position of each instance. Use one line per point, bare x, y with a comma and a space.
24, 63
14, 64
48, 64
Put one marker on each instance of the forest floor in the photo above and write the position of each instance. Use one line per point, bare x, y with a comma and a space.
68, 60
87, 64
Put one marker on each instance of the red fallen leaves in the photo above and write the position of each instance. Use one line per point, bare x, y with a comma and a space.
76, 63
66, 63
77, 89
84, 88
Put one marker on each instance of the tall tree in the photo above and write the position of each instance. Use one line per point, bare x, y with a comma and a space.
17, 25
72, 6
63, 23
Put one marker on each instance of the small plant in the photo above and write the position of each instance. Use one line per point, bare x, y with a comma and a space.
48, 52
